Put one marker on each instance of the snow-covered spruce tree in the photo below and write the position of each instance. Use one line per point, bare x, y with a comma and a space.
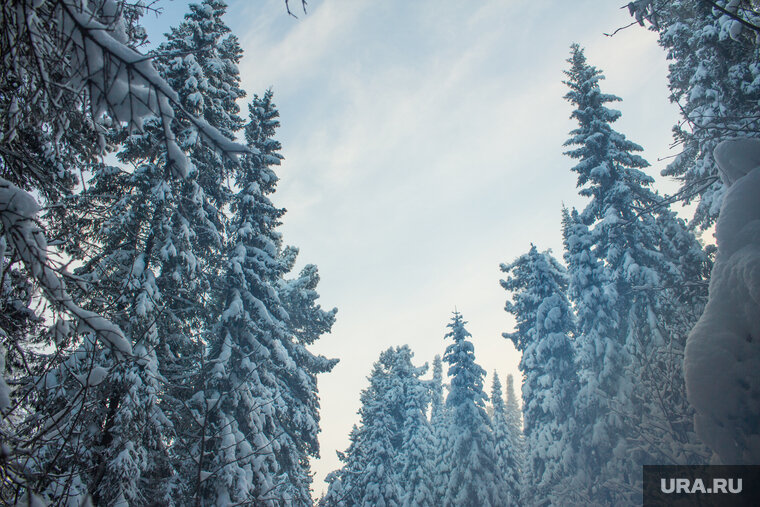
259, 382
600, 359
468, 448
92, 383
380, 445
513, 414
436, 391
439, 422
235, 391
507, 445
627, 229
417, 449
714, 78
158, 237
538, 285
297, 441
199, 60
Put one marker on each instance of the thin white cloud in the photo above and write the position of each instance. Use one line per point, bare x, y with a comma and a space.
306, 45
423, 144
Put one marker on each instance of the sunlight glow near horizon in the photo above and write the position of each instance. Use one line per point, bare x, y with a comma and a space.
423, 147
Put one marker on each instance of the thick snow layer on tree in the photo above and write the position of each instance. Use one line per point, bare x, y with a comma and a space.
737, 157
722, 357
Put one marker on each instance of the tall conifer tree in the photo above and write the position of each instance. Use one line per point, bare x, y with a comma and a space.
539, 303
513, 414
620, 263
468, 449
382, 446
439, 421
507, 444
257, 392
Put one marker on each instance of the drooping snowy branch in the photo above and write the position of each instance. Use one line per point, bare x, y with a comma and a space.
117, 80
76, 79
18, 210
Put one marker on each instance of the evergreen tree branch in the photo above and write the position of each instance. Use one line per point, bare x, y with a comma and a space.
732, 15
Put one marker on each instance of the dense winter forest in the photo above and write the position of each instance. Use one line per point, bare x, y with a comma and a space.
157, 342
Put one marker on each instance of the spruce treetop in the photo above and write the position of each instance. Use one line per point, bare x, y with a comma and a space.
200, 61
608, 168
466, 375
512, 406
497, 399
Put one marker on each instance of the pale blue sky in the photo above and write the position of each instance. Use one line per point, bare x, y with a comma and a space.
423, 147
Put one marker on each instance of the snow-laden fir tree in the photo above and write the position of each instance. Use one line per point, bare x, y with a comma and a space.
544, 321
417, 449
512, 406
380, 445
714, 78
608, 173
436, 391
600, 359
513, 414
199, 60
439, 422
259, 384
507, 444
470, 464
159, 229
617, 247
296, 443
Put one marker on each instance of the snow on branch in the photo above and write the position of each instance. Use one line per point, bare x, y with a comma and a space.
740, 12
77, 54
18, 210
73, 78
733, 14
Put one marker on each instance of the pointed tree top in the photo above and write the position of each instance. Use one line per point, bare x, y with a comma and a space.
458, 331
497, 396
